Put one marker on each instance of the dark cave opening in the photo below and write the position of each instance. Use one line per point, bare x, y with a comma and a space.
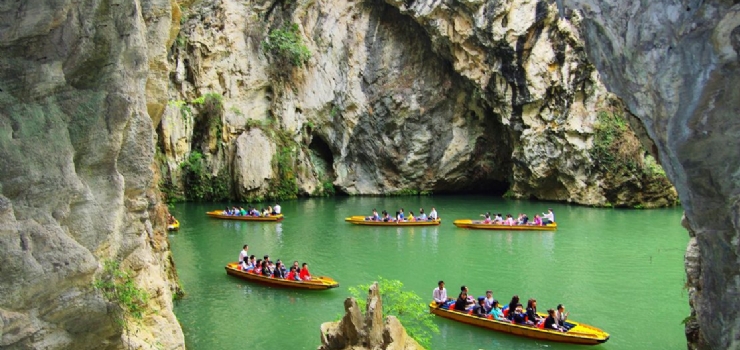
322, 159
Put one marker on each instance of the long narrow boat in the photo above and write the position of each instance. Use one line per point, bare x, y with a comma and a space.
579, 334
174, 226
218, 214
360, 220
480, 225
316, 282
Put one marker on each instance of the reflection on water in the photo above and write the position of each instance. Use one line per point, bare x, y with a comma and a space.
598, 261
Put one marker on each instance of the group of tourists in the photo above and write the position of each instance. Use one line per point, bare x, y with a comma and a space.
265, 267
514, 312
401, 216
522, 219
252, 211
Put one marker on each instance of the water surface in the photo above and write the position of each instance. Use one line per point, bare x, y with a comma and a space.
619, 270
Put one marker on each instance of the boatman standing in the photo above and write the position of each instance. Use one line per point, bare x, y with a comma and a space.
440, 294
244, 254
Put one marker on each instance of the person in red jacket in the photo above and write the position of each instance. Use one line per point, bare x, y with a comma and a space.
304, 274
292, 275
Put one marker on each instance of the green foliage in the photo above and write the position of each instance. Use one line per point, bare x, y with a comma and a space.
426, 193
183, 106
609, 128
688, 319
199, 185
509, 194
118, 287
652, 168
284, 186
407, 306
286, 46
639, 206
208, 121
404, 192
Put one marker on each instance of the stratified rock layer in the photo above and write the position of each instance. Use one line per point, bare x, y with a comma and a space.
357, 332
676, 63
76, 179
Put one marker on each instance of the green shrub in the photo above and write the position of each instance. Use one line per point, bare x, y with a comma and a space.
199, 185
118, 287
284, 186
408, 307
286, 46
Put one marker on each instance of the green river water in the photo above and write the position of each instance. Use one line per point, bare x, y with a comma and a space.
619, 270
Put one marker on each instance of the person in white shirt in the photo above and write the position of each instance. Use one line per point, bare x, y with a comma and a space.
276, 209
440, 294
549, 216
433, 214
244, 253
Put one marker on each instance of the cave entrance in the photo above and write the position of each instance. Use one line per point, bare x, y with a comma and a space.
322, 159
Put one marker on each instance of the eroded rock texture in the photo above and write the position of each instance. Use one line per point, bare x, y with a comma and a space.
676, 63
423, 95
356, 331
76, 179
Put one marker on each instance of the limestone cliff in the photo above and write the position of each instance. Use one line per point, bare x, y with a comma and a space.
676, 64
357, 332
399, 97
77, 186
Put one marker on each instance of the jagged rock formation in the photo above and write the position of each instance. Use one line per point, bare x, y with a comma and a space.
76, 180
675, 63
403, 96
356, 332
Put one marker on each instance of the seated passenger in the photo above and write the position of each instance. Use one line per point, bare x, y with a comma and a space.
258, 267
537, 220
374, 216
520, 317
532, 311
398, 218
265, 212
486, 218
279, 272
509, 220
489, 300
498, 219
562, 316
255, 212
250, 265
386, 217
226, 211
292, 275
400, 215
433, 214
525, 219
244, 264
512, 306
242, 212
422, 216
304, 275
411, 216
266, 269
551, 323
480, 308
461, 304
497, 313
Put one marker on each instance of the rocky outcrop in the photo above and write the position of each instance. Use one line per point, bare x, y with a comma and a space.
76, 180
404, 97
675, 64
357, 332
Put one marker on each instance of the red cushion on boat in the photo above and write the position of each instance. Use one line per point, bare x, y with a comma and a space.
541, 325
490, 317
470, 312
506, 313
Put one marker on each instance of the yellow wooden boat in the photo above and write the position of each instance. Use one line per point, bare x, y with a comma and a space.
360, 220
316, 282
174, 226
479, 225
579, 334
218, 214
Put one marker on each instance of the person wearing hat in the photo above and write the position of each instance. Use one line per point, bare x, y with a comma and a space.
480, 309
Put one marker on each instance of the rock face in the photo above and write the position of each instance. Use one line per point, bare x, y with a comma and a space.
76, 179
403, 97
356, 332
675, 64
